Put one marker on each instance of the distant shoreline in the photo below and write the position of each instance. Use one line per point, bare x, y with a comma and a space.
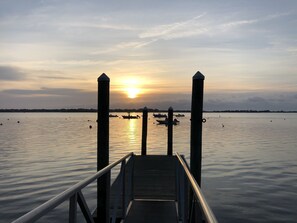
82, 110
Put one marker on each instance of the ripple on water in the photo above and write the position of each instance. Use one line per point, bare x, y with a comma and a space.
249, 166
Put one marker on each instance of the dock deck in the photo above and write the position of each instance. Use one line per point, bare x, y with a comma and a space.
154, 189
148, 211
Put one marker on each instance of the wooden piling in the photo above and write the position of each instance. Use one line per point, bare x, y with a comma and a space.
196, 126
144, 131
103, 183
170, 131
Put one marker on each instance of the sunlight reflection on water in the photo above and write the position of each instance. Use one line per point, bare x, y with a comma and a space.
249, 165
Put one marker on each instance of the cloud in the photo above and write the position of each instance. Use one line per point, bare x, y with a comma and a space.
52, 75
195, 27
238, 23
277, 15
286, 101
175, 30
47, 98
96, 25
187, 28
292, 50
234, 24
56, 78
44, 91
256, 100
8, 73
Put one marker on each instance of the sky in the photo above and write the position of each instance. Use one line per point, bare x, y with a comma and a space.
52, 53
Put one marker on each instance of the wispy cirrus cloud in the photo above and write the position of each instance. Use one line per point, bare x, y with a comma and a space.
98, 25
234, 24
175, 30
190, 27
196, 26
238, 23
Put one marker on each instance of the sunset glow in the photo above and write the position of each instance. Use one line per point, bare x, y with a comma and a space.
132, 92
132, 87
52, 53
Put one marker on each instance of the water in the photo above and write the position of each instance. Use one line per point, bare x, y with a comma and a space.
249, 165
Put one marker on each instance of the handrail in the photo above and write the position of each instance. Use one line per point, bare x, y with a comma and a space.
55, 201
198, 193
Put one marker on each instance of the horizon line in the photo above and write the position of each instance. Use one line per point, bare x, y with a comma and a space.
140, 110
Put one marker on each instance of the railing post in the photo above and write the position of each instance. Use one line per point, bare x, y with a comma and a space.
170, 123
144, 131
196, 126
132, 178
123, 170
73, 208
103, 183
196, 141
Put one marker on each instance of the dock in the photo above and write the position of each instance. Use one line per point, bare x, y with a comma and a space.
148, 188
153, 192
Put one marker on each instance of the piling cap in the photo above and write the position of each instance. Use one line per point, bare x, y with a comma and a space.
198, 76
103, 77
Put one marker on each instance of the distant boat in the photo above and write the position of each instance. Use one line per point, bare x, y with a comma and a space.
130, 116
113, 116
159, 115
165, 122
179, 115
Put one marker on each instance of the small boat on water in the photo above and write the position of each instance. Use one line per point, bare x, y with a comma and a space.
165, 122
159, 115
130, 116
179, 115
113, 116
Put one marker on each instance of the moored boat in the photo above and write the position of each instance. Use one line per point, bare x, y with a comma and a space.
179, 115
130, 116
165, 122
159, 115
113, 116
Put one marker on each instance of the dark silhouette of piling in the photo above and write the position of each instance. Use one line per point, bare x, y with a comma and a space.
170, 131
196, 126
103, 183
144, 131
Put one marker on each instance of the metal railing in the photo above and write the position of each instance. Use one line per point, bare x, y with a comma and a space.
206, 210
74, 195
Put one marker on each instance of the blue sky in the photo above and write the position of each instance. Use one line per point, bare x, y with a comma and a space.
53, 51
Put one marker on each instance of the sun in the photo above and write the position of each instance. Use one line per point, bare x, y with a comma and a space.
132, 92
132, 87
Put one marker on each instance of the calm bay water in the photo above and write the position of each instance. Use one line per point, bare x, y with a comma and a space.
249, 165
